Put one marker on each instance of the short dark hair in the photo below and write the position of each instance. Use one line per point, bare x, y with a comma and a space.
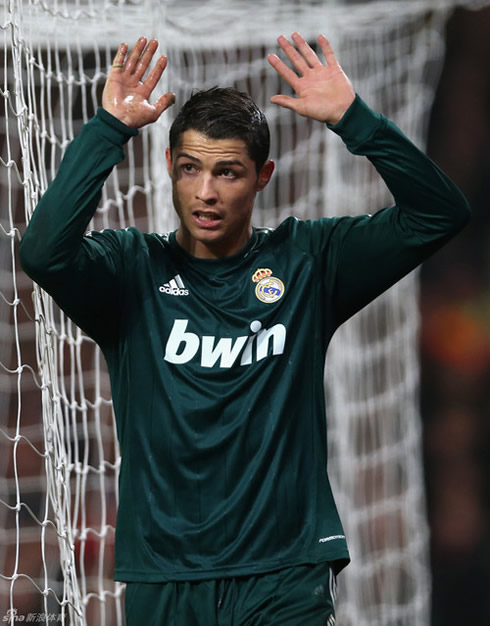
224, 113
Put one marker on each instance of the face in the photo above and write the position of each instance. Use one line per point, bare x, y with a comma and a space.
214, 184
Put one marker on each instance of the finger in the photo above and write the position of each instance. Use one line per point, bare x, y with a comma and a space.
293, 55
308, 53
134, 55
163, 103
288, 102
283, 70
155, 74
327, 50
145, 59
118, 62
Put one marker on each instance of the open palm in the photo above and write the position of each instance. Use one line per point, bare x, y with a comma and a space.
323, 91
126, 95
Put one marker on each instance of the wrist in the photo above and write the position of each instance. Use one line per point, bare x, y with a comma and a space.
124, 119
126, 130
337, 116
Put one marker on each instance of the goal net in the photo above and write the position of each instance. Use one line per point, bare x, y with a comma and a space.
59, 456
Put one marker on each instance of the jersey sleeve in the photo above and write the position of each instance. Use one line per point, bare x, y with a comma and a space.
367, 254
82, 273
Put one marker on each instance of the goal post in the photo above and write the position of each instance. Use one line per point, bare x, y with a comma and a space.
59, 456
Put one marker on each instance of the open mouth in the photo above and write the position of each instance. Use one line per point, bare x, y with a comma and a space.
206, 219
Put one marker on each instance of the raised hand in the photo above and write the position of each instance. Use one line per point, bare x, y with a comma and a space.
323, 91
126, 95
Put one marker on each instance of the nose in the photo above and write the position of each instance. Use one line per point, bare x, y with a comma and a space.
206, 191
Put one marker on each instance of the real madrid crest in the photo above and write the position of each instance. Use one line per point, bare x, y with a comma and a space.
269, 288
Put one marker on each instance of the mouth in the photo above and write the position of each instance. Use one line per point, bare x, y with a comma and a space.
206, 219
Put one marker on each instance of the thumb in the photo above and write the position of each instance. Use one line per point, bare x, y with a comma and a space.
163, 103
288, 102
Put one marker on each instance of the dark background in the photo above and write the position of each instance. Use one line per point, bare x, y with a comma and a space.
455, 337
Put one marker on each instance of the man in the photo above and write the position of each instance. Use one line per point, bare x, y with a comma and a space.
215, 336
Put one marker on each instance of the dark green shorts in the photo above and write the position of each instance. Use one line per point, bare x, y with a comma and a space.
296, 596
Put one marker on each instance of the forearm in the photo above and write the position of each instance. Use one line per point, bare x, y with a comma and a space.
376, 251
430, 204
53, 238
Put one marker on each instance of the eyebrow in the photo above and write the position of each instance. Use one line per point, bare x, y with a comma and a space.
222, 163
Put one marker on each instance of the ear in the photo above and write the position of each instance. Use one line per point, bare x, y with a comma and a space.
168, 157
265, 174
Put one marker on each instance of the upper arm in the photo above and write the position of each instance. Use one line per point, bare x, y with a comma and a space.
89, 287
372, 253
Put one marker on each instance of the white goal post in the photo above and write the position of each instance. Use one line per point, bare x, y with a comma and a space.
59, 456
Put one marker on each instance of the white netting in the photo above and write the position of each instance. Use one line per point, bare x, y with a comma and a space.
59, 457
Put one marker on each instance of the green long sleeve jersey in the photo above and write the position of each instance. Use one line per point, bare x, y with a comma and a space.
216, 366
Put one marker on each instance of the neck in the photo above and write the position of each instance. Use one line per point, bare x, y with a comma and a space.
210, 249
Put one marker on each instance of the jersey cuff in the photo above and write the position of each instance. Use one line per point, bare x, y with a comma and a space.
112, 129
357, 125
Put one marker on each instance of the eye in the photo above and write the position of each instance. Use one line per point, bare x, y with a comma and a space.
228, 173
189, 168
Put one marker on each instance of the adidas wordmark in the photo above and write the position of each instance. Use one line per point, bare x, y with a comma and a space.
174, 287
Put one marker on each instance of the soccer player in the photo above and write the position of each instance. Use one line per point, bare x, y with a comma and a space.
215, 336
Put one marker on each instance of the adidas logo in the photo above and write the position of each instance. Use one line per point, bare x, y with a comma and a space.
174, 287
